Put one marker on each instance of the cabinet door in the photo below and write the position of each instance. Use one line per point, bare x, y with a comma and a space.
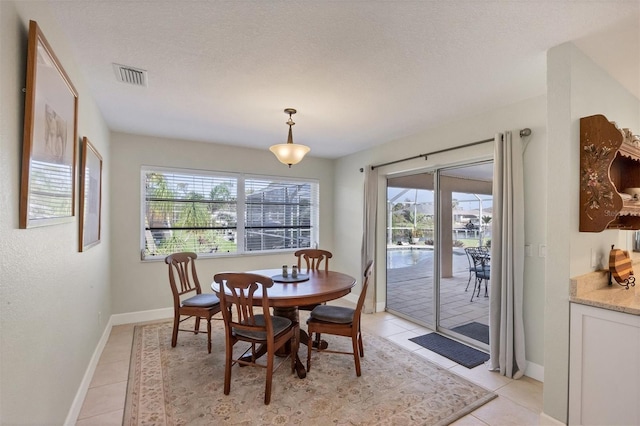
609, 164
604, 381
600, 202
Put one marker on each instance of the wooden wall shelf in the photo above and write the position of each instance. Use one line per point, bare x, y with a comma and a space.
609, 163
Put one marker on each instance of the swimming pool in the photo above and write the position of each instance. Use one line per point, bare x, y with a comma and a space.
404, 257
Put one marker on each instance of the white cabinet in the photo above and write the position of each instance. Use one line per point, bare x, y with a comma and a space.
604, 369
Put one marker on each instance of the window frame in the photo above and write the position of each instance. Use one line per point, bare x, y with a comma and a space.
240, 203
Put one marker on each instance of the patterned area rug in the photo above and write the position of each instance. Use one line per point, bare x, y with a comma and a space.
184, 386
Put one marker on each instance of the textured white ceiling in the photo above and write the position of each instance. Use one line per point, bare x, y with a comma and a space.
360, 73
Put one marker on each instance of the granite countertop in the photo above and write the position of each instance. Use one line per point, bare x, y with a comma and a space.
593, 289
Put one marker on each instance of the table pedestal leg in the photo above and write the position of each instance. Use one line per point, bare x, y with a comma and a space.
303, 338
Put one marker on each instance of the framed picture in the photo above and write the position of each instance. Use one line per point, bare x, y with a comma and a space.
90, 195
47, 189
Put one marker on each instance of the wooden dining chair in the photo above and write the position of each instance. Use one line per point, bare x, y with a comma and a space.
253, 324
188, 299
314, 259
340, 321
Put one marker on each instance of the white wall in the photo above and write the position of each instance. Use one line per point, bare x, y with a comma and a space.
141, 286
577, 87
349, 194
50, 293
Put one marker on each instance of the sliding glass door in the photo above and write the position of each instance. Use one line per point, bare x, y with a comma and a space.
432, 219
465, 212
410, 247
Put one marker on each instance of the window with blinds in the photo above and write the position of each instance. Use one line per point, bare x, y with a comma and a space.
212, 213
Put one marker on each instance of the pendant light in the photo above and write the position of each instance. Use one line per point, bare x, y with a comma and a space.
289, 153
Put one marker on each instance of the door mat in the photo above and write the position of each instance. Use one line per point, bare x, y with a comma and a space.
475, 330
455, 351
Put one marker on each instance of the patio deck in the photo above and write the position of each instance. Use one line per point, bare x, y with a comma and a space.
410, 292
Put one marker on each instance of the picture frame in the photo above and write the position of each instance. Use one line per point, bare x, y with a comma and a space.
90, 195
47, 186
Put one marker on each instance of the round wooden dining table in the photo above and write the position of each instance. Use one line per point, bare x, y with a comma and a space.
286, 297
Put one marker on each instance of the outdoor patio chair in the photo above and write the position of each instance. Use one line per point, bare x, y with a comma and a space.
479, 266
475, 263
483, 275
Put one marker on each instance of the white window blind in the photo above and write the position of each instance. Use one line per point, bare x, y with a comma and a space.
213, 213
279, 214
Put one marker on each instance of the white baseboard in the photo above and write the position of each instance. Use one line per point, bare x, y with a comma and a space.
535, 371
142, 316
117, 319
76, 406
547, 420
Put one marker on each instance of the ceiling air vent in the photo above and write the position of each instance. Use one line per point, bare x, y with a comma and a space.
131, 75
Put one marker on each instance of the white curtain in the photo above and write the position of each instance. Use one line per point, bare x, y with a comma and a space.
506, 325
369, 233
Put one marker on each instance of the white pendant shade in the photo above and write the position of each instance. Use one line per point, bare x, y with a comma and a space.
289, 153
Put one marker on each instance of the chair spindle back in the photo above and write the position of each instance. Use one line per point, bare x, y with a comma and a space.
314, 259
183, 266
239, 292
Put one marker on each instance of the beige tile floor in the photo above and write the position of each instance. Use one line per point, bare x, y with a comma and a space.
519, 401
